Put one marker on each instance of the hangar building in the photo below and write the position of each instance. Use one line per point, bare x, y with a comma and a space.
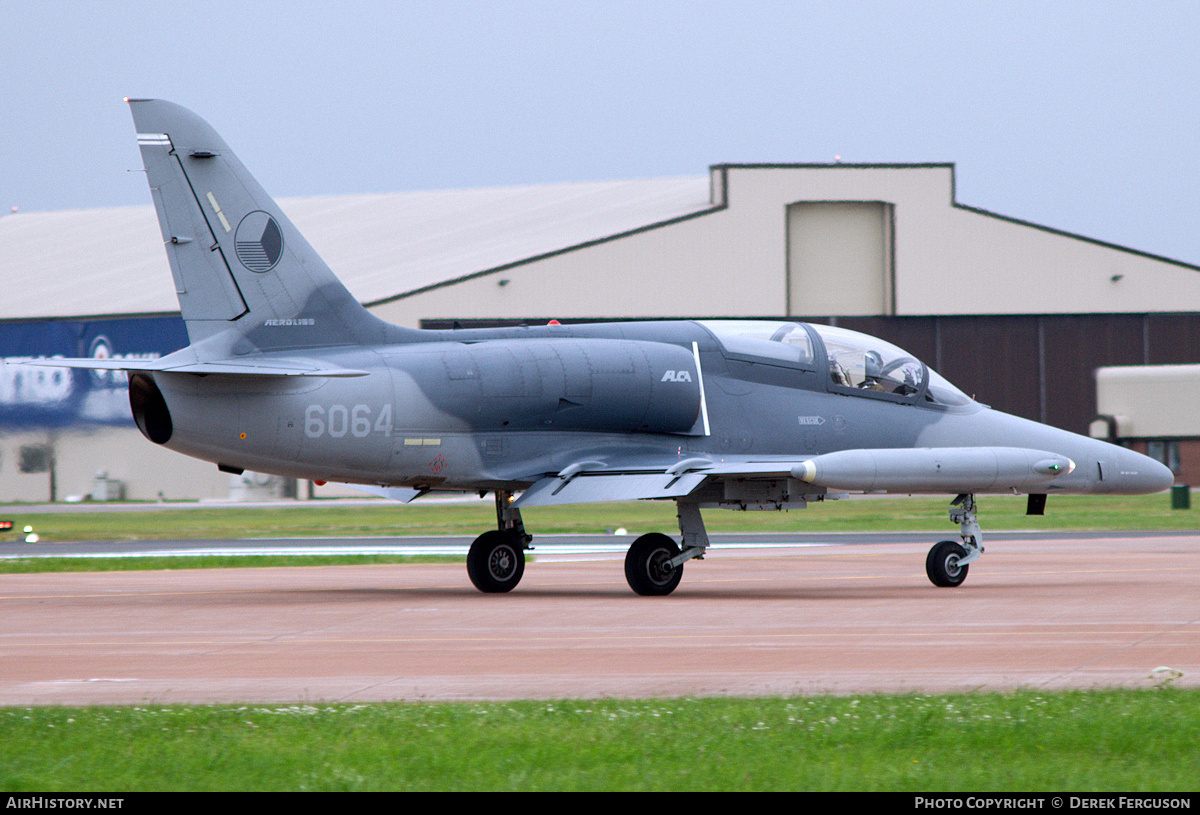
1018, 315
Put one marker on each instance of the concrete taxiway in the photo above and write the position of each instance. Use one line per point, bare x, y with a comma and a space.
838, 615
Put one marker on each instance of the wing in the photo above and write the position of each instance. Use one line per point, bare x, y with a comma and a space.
944, 470
591, 482
739, 481
402, 494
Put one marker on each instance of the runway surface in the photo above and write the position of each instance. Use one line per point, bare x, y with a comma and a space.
839, 615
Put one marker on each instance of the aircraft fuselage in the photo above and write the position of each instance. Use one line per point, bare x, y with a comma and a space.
488, 409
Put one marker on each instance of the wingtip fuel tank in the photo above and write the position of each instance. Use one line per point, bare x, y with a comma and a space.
952, 470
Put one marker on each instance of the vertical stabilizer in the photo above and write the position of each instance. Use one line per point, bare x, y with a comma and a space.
238, 262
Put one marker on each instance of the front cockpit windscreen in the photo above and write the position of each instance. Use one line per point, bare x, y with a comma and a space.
941, 392
865, 365
862, 362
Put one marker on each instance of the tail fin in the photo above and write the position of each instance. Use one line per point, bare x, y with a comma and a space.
238, 262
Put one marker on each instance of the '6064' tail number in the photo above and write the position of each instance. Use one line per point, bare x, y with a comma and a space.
339, 421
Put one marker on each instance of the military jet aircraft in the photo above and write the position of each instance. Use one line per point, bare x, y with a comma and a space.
287, 373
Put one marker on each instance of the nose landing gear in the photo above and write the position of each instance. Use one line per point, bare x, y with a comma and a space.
946, 563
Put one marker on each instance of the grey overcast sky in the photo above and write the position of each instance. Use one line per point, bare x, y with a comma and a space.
1082, 116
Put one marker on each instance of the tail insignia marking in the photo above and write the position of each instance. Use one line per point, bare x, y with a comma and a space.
258, 242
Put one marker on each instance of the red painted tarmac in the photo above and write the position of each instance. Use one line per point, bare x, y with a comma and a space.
838, 619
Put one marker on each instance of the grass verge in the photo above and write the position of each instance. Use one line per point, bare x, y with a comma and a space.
1075, 741
32, 565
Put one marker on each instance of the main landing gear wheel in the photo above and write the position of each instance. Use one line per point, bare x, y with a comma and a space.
942, 564
647, 565
495, 562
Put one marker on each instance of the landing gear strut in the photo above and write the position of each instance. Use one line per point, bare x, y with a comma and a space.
654, 563
496, 560
946, 563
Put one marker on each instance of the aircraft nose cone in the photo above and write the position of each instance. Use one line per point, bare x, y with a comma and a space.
1143, 475
1161, 478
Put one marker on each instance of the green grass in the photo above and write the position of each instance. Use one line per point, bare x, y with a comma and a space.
1076, 741
329, 519
31, 565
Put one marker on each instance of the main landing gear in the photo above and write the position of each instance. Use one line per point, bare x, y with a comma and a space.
946, 563
653, 565
654, 562
496, 560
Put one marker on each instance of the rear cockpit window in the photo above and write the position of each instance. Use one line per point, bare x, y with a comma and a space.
769, 341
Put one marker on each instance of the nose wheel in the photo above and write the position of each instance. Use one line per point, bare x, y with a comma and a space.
946, 563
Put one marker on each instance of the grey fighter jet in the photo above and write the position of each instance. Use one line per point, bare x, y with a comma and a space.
287, 373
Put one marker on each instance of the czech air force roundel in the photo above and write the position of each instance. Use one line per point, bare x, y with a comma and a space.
258, 242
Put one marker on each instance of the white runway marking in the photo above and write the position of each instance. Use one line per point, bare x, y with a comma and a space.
447, 550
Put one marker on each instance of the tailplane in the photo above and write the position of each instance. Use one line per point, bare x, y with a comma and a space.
239, 264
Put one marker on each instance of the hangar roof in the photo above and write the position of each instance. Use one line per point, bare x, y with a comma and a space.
927, 253
110, 261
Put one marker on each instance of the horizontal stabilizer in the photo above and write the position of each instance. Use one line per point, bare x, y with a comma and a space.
236, 367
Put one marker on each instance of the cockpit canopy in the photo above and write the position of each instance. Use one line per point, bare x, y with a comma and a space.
857, 364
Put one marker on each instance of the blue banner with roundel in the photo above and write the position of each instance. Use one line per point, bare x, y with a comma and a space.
32, 397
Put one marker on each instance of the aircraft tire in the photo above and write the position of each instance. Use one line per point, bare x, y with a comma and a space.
941, 564
495, 562
643, 565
